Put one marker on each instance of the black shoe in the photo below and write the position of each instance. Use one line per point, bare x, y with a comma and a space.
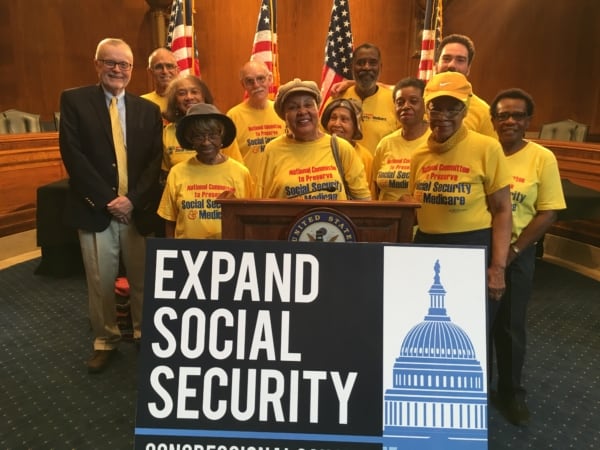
100, 360
514, 409
516, 412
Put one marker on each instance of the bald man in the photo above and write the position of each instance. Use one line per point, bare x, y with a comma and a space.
162, 65
255, 118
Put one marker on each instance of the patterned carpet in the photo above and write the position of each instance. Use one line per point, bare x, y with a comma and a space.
48, 400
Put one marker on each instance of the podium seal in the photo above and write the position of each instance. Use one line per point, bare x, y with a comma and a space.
322, 225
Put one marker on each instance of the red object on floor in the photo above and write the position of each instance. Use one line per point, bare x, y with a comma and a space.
122, 287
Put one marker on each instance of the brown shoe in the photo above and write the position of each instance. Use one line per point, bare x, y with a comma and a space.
99, 360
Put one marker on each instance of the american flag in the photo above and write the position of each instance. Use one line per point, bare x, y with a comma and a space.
181, 38
265, 41
338, 49
432, 32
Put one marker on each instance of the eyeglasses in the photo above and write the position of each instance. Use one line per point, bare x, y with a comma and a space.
200, 138
166, 66
248, 81
517, 116
123, 65
440, 113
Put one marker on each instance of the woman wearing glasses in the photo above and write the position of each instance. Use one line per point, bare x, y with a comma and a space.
536, 197
188, 202
462, 181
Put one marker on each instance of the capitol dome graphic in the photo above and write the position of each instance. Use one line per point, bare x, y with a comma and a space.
438, 398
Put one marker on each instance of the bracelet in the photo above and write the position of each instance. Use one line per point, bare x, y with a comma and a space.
515, 249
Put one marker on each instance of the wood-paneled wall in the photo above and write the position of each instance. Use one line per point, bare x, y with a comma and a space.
547, 48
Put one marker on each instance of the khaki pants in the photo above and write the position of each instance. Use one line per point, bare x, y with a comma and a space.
101, 252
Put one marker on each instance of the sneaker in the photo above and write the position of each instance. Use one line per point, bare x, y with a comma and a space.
100, 360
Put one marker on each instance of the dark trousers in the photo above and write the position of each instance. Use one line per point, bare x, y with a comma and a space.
473, 238
509, 330
481, 238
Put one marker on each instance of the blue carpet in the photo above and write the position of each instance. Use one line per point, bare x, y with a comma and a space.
48, 400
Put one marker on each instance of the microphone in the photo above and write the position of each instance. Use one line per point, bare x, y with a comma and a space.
328, 188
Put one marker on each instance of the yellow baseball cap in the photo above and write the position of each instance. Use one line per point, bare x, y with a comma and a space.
451, 84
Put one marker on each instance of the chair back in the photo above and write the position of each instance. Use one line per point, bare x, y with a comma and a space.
57, 120
564, 130
15, 121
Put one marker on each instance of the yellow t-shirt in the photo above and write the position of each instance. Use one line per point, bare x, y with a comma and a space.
367, 159
307, 170
255, 128
160, 100
173, 153
535, 186
378, 115
391, 165
478, 117
452, 181
190, 193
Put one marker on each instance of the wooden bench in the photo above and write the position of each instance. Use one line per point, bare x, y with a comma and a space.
579, 164
27, 161
586, 231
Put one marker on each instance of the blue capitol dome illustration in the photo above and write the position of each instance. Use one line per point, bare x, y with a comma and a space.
437, 399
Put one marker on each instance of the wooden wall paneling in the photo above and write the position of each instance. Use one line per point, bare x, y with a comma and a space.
27, 161
56, 44
390, 26
548, 48
225, 33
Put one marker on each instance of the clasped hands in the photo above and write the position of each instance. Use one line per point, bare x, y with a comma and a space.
121, 209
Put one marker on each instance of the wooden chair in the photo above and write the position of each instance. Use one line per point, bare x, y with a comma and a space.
564, 130
15, 121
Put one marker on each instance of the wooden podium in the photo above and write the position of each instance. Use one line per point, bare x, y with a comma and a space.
271, 219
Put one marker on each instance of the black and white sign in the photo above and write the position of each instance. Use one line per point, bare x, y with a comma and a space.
253, 345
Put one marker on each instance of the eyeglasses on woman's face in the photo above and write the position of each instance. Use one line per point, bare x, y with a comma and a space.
517, 116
